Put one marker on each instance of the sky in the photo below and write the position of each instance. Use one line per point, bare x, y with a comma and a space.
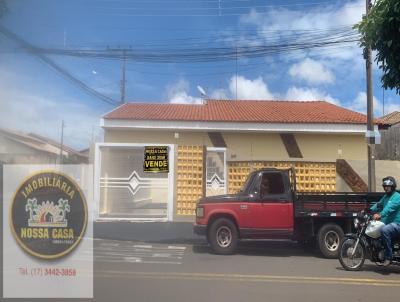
34, 97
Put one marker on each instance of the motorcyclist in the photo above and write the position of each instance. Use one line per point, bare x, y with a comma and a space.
388, 211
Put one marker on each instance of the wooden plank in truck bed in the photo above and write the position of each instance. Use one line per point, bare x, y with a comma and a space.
333, 204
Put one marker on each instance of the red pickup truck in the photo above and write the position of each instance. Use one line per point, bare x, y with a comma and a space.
269, 207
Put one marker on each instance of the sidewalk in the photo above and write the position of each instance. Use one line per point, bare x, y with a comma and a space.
155, 232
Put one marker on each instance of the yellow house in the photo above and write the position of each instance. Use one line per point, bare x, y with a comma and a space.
211, 147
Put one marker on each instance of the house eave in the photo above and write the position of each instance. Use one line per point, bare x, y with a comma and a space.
125, 124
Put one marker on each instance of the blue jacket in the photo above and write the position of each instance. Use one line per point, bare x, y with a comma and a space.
389, 207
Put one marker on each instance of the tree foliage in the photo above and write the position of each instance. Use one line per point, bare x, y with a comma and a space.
381, 31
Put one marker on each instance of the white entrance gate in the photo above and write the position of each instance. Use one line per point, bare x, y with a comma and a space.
124, 191
216, 183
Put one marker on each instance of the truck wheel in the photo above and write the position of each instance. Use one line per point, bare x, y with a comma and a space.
223, 236
329, 238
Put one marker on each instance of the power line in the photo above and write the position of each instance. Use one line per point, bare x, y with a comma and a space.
259, 39
211, 54
280, 42
219, 11
35, 51
168, 8
162, 1
167, 2
218, 5
216, 38
197, 29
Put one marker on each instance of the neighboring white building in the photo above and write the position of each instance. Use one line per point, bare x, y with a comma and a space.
20, 148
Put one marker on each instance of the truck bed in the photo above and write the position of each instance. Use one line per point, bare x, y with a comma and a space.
333, 204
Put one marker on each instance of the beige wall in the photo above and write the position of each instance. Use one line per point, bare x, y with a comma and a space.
156, 137
255, 146
327, 147
382, 168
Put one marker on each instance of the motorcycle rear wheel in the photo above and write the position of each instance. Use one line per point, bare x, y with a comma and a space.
351, 261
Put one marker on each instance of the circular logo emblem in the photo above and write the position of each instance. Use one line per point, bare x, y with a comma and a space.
48, 215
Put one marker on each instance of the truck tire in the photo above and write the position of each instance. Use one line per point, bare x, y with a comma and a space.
329, 238
223, 236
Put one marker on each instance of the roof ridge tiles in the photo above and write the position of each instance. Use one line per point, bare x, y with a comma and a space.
256, 111
207, 101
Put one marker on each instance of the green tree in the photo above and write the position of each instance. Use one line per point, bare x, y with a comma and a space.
381, 31
64, 207
31, 206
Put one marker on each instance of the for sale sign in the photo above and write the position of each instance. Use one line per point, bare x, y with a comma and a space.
156, 159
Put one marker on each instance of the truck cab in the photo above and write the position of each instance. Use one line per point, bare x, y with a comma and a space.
263, 209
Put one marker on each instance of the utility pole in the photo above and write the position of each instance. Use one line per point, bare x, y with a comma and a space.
61, 144
370, 114
236, 91
123, 78
123, 70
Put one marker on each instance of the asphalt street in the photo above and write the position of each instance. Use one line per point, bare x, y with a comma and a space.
260, 271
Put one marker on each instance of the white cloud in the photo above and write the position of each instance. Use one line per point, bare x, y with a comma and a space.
177, 93
351, 12
253, 17
311, 71
309, 94
248, 89
321, 17
281, 21
220, 94
182, 97
390, 107
256, 89
359, 104
25, 111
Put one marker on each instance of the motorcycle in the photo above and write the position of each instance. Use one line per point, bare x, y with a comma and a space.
365, 243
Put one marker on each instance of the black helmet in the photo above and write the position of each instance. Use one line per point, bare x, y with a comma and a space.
389, 181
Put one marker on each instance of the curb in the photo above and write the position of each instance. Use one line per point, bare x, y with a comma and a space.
154, 232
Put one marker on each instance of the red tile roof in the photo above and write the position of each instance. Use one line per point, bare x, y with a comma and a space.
241, 111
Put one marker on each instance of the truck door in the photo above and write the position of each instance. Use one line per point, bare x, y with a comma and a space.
272, 213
